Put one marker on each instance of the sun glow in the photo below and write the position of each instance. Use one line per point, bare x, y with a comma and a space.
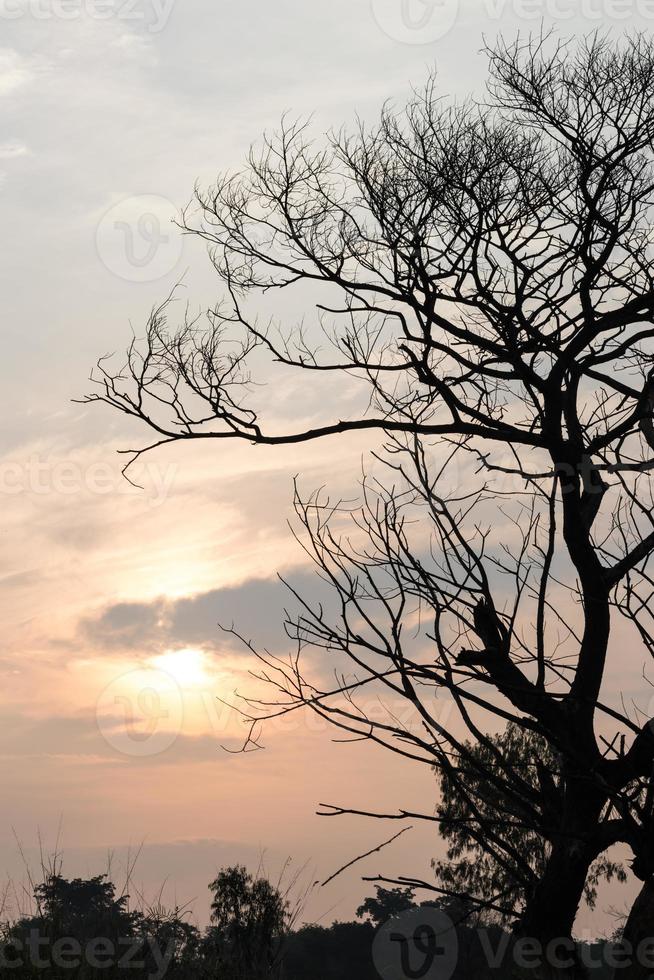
188, 667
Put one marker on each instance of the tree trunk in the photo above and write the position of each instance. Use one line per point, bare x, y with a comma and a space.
551, 910
639, 930
550, 915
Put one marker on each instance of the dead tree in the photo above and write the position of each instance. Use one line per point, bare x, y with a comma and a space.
483, 272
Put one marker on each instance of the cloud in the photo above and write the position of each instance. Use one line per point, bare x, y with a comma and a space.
15, 70
128, 625
135, 46
255, 608
12, 149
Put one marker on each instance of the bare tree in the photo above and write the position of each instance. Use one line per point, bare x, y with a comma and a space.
484, 272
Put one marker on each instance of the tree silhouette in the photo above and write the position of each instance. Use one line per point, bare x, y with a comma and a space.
342, 950
480, 861
386, 904
483, 275
84, 911
249, 919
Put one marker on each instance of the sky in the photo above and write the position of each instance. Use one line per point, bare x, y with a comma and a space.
110, 111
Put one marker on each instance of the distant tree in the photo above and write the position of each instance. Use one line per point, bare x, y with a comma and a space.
85, 911
342, 951
387, 904
176, 939
84, 908
249, 924
110, 940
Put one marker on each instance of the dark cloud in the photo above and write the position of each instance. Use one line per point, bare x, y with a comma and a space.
255, 609
126, 625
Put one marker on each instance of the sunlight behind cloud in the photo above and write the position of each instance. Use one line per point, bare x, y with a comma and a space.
188, 667
14, 70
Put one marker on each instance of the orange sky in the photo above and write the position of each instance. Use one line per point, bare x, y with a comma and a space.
98, 114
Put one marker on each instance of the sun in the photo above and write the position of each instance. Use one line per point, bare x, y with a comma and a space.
188, 667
